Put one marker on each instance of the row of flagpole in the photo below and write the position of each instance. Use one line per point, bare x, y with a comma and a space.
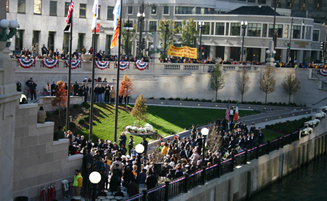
117, 37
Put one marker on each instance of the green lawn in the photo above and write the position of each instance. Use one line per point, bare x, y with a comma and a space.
270, 134
165, 120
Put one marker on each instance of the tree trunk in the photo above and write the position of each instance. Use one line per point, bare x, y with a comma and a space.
289, 98
216, 94
139, 121
266, 98
242, 98
59, 110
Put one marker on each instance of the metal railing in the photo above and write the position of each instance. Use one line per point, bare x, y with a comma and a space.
189, 181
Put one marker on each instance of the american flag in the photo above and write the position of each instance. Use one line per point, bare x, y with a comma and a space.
70, 12
227, 111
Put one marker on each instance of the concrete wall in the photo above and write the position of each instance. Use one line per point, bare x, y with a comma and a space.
186, 80
39, 161
263, 171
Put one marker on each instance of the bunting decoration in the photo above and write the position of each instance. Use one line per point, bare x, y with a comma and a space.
323, 72
102, 64
123, 65
50, 63
26, 63
75, 63
141, 65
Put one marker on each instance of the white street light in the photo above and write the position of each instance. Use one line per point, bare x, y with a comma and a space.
13, 24
204, 131
4, 23
95, 177
139, 148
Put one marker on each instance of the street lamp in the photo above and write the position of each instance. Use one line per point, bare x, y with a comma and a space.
140, 16
201, 24
139, 150
95, 178
204, 132
5, 24
244, 25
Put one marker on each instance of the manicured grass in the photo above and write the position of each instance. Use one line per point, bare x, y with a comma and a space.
165, 120
270, 134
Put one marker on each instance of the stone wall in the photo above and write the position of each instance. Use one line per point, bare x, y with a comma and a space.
39, 161
258, 173
45, 101
186, 81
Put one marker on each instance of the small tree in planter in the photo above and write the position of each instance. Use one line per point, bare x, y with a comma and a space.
126, 88
60, 99
139, 109
291, 85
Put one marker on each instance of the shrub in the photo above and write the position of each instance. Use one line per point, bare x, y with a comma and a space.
75, 106
171, 98
191, 99
72, 125
218, 101
86, 119
47, 114
86, 105
186, 99
151, 98
162, 98
81, 121
56, 112
178, 99
197, 100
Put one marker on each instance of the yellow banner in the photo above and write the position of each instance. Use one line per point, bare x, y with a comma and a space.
184, 51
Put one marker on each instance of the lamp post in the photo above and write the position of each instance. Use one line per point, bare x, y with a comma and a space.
166, 32
201, 24
127, 27
139, 150
140, 16
204, 132
290, 43
95, 178
244, 25
5, 24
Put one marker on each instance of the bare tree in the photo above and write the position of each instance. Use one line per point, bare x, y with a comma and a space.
243, 83
217, 80
268, 82
291, 85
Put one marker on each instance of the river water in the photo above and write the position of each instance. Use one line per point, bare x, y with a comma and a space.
308, 183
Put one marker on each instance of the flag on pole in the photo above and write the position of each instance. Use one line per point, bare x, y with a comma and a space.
95, 15
70, 12
115, 38
236, 113
227, 111
69, 15
116, 13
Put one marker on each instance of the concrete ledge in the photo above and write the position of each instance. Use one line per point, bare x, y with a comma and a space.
61, 141
45, 124
45, 101
75, 157
27, 106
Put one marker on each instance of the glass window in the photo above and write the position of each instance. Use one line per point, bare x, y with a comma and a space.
286, 31
296, 32
263, 1
153, 10
178, 24
290, 4
7, 5
308, 33
35, 38
254, 29
130, 10
53, 8
21, 6
185, 10
251, 1
166, 10
153, 25
279, 30
99, 9
205, 28
220, 28
110, 15
37, 7
80, 43
303, 32
66, 8
51, 39
19, 40
227, 29
108, 42
65, 42
235, 29
317, 5
82, 10
315, 35
264, 30
212, 28
278, 3
304, 5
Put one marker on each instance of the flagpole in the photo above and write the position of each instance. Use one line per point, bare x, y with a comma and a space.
69, 71
118, 69
92, 87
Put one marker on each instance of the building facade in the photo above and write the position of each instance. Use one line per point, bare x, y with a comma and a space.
42, 22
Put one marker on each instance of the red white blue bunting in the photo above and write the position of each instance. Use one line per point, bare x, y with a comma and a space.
50, 63
26, 63
75, 63
123, 65
323, 72
141, 65
102, 64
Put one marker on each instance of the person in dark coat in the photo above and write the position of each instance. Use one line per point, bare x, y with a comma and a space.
145, 144
151, 181
132, 187
130, 145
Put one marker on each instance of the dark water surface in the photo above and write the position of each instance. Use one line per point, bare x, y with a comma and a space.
308, 183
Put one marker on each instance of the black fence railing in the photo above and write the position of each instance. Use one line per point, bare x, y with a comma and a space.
185, 183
